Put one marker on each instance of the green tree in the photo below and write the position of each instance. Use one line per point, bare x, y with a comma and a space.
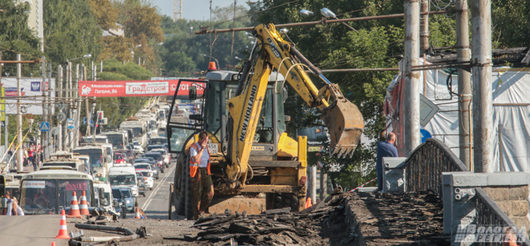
16, 37
70, 30
185, 53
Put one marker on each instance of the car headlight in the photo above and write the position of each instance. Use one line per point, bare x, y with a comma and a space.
128, 201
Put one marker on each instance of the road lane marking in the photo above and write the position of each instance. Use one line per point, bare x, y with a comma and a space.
150, 197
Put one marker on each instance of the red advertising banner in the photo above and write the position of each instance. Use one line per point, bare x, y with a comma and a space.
141, 88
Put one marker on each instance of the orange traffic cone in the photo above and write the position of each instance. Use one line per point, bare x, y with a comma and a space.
63, 232
138, 216
83, 206
74, 207
53, 243
308, 203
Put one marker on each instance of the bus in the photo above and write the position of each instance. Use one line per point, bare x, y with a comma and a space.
99, 159
49, 191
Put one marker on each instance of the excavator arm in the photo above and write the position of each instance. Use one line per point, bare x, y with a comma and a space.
343, 119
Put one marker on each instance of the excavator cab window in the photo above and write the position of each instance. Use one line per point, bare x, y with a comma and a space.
185, 115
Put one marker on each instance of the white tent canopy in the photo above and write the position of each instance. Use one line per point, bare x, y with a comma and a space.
511, 118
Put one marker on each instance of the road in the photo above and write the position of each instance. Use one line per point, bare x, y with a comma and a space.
155, 203
30, 230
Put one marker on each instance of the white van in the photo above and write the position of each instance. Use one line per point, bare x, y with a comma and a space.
124, 175
103, 196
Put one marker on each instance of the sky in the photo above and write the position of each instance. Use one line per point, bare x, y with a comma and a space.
192, 9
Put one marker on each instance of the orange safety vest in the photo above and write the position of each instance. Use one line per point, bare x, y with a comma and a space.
194, 166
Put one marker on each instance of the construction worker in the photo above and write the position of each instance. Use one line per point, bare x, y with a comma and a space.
200, 174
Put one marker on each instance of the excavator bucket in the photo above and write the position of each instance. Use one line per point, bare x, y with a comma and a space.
345, 123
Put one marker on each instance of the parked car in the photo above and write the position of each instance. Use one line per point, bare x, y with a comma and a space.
124, 198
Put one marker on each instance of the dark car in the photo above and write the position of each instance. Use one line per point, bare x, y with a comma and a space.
155, 146
123, 197
157, 156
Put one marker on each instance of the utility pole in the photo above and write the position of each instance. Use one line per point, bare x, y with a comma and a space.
20, 152
464, 84
482, 99
424, 25
59, 95
412, 78
78, 102
43, 140
49, 147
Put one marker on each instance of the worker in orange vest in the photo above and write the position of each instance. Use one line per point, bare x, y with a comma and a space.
201, 179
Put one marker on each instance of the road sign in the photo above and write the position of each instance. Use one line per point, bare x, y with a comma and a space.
45, 126
61, 117
70, 124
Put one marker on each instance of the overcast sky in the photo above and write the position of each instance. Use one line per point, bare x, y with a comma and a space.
192, 9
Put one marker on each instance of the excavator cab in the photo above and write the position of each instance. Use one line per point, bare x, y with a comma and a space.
210, 113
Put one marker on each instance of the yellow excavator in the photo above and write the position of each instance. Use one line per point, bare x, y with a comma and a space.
255, 165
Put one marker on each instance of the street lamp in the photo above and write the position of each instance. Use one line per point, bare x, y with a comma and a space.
328, 14
306, 12
77, 58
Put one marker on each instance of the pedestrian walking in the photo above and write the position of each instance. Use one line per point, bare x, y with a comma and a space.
385, 148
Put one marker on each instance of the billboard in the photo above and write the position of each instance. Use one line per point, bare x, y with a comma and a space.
137, 88
31, 90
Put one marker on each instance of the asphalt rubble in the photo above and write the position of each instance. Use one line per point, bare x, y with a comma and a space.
341, 219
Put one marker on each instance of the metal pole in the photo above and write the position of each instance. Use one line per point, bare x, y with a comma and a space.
68, 87
412, 78
482, 99
464, 84
49, 148
59, 95
20, 152
75, 94
79, 103
313, 169
424, 24
44, 113
6, 135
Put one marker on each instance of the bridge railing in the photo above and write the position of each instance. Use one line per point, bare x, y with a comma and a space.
423, 172
425, 165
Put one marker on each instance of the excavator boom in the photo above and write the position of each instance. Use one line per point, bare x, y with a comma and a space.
343, 119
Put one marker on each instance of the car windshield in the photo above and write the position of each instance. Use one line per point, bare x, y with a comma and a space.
142, 166
116, 193
155, 155
122, 179
142, 160
96, 156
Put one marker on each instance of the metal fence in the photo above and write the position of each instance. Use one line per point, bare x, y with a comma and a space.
488, 214
424, 173
425, 166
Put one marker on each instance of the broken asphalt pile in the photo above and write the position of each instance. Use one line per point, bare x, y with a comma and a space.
317, 225
342, 219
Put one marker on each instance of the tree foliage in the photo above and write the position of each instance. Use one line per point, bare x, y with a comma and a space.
16, 37
373, 43
185, 53
70, 30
